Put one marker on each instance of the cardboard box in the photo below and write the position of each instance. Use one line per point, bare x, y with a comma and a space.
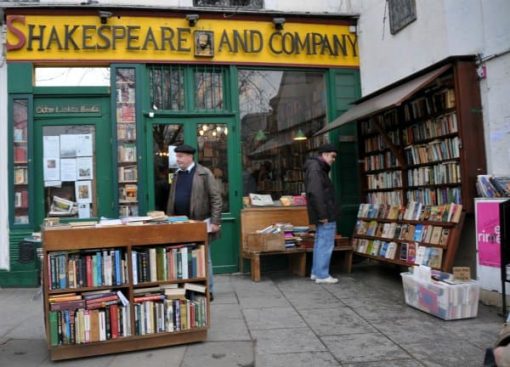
446, 301
265, 242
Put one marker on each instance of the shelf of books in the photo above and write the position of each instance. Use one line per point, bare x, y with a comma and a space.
414, 235
20, 159
121, 288
428, 149
125, 80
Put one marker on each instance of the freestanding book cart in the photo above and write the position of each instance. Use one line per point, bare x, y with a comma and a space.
123, 288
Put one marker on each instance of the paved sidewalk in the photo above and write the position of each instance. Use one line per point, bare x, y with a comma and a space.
284, 321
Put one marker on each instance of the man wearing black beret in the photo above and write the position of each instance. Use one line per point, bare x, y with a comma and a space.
194, 193
320, 195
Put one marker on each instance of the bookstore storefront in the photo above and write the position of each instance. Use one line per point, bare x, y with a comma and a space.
248, 92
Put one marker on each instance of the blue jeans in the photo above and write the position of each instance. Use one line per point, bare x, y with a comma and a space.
323, 248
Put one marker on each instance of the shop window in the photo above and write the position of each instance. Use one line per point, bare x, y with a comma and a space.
72, 77
20, 154
208, 89
402, 13
251, 4
280, 112
69, 171
166, 87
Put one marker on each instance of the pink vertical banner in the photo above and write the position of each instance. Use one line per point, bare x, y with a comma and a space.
488, 237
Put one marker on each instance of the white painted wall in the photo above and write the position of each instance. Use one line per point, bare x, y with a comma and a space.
4, 224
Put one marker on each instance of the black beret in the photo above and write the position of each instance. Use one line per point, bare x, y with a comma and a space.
327, 148
185, 149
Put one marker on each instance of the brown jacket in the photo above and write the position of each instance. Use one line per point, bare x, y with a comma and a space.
205, 199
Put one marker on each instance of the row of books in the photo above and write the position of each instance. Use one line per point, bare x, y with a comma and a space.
489, 186
377, 143
168, 263
126, 131
20, 153
438, 196
432, 128
435, 235
443, 173
410, 253
388, 197
413, 211
86, 269
430, 104
87, 326
388, 121
380, 161
170, 315
128, 193
384, 180
436, 150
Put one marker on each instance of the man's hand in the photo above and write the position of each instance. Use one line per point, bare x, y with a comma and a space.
215, 228
323, 221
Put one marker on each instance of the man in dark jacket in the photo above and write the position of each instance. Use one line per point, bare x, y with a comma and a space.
321, 205
194, 193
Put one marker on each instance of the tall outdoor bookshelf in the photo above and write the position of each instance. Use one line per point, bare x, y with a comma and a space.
123, 288
430, 147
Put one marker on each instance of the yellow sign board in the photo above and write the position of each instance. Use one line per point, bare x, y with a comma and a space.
68, 39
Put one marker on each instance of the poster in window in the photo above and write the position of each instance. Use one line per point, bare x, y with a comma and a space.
83, 191
84, 168
68, 169
84, 145
51, 147
68, 145
172, 159
83, 210
51, 169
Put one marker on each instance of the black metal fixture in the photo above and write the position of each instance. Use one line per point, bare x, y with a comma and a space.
104, 15
192, 19
278, 23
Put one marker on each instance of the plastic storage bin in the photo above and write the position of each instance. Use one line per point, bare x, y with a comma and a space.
446, 301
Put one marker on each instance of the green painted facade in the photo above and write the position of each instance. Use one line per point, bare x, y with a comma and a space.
342, 88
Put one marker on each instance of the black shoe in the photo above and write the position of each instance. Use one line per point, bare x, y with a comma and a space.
211, 297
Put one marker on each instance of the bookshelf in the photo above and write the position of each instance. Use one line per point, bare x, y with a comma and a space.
20, 161
123, 288
415, 235
428, 149
127, 158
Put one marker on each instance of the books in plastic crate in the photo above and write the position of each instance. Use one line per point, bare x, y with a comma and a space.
446, 301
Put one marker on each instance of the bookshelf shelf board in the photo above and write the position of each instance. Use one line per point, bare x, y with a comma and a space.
385, 239
433, 163
126, 162
389, 189
21, 162
407, 221
434, 186
175, 281
383, 170
376, 152
20, 142
128, 202
128, 182
439, 137
86, 289
392, 261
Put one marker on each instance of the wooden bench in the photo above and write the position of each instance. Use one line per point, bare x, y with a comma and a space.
253, 219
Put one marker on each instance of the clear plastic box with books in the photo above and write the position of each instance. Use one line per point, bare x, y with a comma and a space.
446, 301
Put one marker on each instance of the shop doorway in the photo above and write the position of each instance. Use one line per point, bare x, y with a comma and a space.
72, 159
213, 140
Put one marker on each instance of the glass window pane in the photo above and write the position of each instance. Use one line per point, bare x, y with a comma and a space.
209, 90
69, 171
280, 112
166, 87
165, 139
212, 153
72, 77
20, 154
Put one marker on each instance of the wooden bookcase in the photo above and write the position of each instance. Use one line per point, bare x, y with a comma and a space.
430, 148
437, 238
127, 239
427, 149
